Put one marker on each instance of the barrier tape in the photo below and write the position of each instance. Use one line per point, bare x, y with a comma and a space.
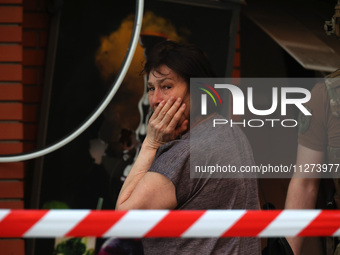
168, 223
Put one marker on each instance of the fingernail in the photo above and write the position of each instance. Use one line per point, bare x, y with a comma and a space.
179, 99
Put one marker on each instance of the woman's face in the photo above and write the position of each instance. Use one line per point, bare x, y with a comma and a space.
164, 83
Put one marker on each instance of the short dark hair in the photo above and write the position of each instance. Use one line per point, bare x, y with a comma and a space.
185, 59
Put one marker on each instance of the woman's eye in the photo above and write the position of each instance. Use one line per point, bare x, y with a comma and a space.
167, 87
150, 89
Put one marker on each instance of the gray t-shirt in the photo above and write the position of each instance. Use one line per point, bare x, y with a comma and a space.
173, 159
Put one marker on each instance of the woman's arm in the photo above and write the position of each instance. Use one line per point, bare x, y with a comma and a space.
149, 190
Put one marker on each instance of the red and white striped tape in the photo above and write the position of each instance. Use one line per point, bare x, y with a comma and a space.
166, 223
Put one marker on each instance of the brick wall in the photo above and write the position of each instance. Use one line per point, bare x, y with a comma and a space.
23, 40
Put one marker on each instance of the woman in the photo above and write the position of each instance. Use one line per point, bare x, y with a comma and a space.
160, 177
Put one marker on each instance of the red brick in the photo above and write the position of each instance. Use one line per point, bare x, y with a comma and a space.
30, 5
29, 38
15, 170
10, 1
30, 113
11, 148
10, 53
8, 148
34, 5
32, 94
11, 14
11, 92
34, 57
30, 75
10, 72
12, 247
11, 111
33, 75
29, 146
18, 111
11, 204
10, 33
30, 132
11, 189
35, 20
11, 131
17, 131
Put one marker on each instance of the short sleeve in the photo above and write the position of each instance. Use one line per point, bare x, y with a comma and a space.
313, 129
172, 161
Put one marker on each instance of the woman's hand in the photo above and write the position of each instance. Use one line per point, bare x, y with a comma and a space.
166, 123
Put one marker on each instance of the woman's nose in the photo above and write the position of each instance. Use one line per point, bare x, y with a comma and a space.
157, 97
